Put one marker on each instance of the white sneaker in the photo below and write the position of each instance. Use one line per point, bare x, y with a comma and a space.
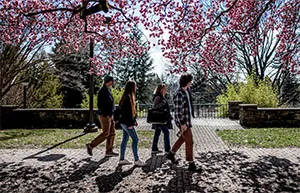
124, 162
139, 163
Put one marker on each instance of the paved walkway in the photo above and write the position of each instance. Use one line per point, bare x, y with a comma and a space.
225, 169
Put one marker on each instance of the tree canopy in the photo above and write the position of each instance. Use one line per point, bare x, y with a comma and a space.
187, 31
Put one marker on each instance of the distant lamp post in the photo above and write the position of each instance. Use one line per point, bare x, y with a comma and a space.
91, 126
101, 6
25, 84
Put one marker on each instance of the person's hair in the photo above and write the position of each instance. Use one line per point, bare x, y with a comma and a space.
129, 90
185, 79
159, 88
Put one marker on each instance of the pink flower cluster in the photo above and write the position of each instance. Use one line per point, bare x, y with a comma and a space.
187, 31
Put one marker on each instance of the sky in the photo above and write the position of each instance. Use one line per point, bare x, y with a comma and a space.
160, 63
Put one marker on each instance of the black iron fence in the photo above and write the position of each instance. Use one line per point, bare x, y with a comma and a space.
211, 110
206, 111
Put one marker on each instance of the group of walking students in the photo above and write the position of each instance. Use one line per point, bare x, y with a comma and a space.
182, 117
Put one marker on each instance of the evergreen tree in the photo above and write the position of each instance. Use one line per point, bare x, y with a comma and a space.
290, 90
45, 94
72, 70
137, 69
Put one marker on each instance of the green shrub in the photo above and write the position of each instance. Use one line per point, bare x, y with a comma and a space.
252, 92
86, 101
116, 92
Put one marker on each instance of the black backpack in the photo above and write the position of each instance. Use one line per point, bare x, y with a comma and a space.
117, 117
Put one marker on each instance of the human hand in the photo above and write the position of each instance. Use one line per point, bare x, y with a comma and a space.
183, 128
135, 124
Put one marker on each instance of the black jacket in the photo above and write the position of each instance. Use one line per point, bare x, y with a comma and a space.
160, 102
106, 104
126, 113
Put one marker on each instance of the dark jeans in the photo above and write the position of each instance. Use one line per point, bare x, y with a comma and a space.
158, 130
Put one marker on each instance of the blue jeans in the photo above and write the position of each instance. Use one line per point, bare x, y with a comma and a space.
158, 130
132, 133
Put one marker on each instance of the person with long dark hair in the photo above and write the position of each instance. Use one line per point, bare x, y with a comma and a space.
160, 103
128, 123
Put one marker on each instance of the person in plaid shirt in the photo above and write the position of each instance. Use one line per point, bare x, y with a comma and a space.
183, 114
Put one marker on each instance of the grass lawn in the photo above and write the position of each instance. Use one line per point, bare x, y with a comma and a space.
262, 137
63, 138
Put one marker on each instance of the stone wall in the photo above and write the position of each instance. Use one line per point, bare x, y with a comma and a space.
11, 117
251, 116
234, 109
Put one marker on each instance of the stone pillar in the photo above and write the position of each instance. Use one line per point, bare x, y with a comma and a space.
234, 109
248, 115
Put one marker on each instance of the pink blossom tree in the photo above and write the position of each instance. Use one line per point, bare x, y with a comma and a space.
187, 31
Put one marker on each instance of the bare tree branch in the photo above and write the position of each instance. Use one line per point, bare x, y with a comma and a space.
118, 9
49, 11
258, 18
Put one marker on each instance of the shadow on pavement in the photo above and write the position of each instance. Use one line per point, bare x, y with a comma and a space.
181, 182
52, 147
50, 157
223, 171
107, 183
87, 169
271, 174
154, 162
232, 171
163, 169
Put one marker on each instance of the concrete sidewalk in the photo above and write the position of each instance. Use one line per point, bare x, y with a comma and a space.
225, 169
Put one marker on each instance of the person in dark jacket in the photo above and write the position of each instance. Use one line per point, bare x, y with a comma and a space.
128, 122
160, 103
106, 108
183, 114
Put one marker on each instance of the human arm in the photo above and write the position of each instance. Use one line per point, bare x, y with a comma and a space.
179, 109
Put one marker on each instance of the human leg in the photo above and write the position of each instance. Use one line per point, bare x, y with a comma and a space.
110, 138
189, 145
124, 142
176, 146
132, 133
105, 125
166, 133
155, 139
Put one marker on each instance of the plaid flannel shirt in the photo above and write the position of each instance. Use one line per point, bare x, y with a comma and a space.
181, 110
